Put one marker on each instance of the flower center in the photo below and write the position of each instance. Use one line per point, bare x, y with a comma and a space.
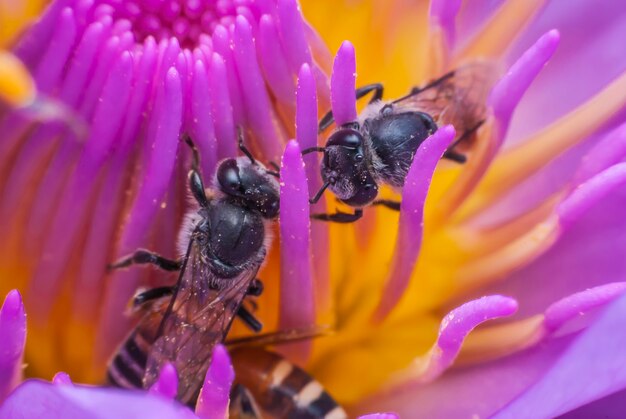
184, 19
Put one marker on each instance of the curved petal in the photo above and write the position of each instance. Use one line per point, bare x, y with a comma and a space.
215, 394
13, 338
36, 399
597, 354
343, 84
167, 383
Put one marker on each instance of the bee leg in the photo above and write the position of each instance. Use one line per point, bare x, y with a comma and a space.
242, 404
151, 294
196, 186
377, 88
392, 205
255, 288
143, 256
242, 146
339, 217
249, 319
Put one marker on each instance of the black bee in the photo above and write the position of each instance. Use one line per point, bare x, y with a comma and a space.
379, 146
224, 243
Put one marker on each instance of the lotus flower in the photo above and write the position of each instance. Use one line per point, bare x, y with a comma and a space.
520, 246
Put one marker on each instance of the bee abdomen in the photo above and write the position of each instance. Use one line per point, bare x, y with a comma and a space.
128, 365
282, 389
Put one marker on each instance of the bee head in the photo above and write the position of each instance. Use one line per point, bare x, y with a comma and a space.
345, 168
250, 183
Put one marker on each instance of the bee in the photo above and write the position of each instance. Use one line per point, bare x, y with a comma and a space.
378, 147
224, 243
270, 386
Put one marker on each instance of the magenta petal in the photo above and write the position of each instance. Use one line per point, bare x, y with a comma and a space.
443, 13
13, 339
507, 93
167, 383
414, 196
37, 399
201, 120
457, 324
256, 100
380, 416
215, 394
297, 306
343, 84
572, 306
62, 378
221, 108
275, 67
306, 124
609, 151
593, 366
292, 33
590, 193
155, 183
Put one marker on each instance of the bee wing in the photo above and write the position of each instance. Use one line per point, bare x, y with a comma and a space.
197, 319
458, 98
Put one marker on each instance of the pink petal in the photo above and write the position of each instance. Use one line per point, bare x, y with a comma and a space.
215, 394
507, 93
414, 195
443, 13
62, 378
343, 84
597, 354
13, 338
167, 383
297, 305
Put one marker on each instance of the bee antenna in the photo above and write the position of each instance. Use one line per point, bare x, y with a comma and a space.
319, 193
313, 149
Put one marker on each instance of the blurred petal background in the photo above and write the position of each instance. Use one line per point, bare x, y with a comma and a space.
535, 214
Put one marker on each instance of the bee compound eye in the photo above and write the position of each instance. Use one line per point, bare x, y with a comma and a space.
228, 177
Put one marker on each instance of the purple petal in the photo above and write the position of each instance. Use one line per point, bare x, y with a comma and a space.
37, 399
275, 67
108, 119
215, 394
607, 407
589, 34
380, 416
570, 307
455, 327
410, 226
607, 152
597, 355
167, 383
222, 42
306, 135
507, 93
292, 33
156, 181
256, 101
62, 378
443, 14
343, 84
297, 305
13, 338
479, 389
202, 121
222, 110
590, 193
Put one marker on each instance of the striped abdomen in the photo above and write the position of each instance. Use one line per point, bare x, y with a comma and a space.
128, 365
281, 389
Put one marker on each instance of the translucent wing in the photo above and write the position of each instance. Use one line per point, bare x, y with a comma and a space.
197, 319
458, 98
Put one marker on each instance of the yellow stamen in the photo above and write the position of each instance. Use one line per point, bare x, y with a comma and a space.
504, 26
519, 163
17, 88
496, 265
480, 241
